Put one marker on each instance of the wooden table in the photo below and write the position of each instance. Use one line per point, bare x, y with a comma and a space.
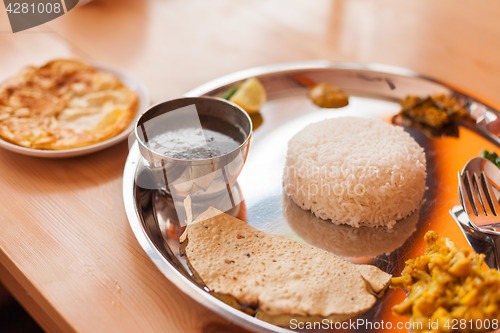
66, 250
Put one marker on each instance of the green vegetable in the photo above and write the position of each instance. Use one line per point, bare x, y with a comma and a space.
492, 156
228, 93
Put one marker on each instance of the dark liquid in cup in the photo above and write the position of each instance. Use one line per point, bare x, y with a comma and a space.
214, 138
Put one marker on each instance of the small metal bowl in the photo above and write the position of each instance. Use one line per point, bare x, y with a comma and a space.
207, 181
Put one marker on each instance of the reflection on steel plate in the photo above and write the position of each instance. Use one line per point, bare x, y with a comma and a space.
344, 240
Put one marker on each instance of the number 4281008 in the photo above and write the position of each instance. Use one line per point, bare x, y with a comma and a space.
471, 324
32, 8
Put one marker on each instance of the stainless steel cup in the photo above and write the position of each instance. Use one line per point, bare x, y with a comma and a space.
207, 180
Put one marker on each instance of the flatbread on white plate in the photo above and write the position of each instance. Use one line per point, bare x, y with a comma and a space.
64, 104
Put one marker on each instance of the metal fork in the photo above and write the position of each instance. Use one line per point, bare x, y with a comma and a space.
481, 242
477, 195
479, 201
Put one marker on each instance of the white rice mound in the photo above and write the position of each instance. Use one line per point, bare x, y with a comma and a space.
355, 171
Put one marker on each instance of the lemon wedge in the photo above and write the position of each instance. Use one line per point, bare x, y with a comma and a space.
251, 95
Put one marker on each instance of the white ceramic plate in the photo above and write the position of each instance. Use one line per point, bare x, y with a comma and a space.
144, 102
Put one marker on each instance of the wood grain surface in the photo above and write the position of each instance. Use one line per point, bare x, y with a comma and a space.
66, 250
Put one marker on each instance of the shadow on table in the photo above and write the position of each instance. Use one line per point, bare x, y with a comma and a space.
13, 318
46, 175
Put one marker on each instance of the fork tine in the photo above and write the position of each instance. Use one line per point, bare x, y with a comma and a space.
475, 200
473, 188
492, 197
484, 196
464, 195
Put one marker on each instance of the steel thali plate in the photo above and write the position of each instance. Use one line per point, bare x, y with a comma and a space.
374, 91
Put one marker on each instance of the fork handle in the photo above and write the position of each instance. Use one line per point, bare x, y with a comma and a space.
494, 236
491, 229
496, 240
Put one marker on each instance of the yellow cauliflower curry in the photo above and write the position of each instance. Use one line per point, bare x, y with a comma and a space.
449, 289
